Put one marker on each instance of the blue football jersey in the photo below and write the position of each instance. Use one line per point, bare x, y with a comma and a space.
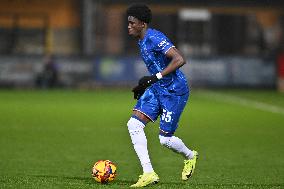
153, 49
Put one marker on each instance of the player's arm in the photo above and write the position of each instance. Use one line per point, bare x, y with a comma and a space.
177, 61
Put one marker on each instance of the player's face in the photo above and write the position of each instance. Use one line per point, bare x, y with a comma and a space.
135, 27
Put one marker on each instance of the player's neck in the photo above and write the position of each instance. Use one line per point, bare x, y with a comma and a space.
143, 33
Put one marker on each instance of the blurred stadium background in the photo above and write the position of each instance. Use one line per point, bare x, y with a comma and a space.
227, 43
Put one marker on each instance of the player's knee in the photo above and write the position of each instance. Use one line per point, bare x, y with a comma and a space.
135, 128
134, 125
176, 140
165, 141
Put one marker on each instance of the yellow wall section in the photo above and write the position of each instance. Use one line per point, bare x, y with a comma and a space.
60, 13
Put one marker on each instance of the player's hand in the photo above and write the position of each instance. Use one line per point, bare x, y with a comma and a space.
138, 91
147, 81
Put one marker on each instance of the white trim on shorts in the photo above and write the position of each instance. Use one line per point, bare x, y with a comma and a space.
144, 114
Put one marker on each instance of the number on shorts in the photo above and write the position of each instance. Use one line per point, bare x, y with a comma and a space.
166, 116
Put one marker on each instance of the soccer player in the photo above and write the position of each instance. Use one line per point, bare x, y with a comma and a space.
163, 94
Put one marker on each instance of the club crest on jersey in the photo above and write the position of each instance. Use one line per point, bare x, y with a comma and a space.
162, 43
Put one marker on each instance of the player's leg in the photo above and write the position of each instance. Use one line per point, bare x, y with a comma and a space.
136, 126
176, 144
144, 111
172, 109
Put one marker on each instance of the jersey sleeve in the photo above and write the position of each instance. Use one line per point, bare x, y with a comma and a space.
161, 43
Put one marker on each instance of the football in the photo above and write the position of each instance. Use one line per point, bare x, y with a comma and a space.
104, 171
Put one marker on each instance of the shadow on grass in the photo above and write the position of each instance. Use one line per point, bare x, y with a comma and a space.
86, 180
62, 177
119, 183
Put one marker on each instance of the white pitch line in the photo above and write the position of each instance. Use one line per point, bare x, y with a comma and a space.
245, 102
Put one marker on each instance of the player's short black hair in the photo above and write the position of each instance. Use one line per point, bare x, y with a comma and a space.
140, 11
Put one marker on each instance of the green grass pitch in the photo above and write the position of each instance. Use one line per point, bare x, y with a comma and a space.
50, 139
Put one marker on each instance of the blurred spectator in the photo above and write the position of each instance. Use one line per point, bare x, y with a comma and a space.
48, 78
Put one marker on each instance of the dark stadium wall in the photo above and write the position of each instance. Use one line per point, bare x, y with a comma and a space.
57, 21
61, 14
